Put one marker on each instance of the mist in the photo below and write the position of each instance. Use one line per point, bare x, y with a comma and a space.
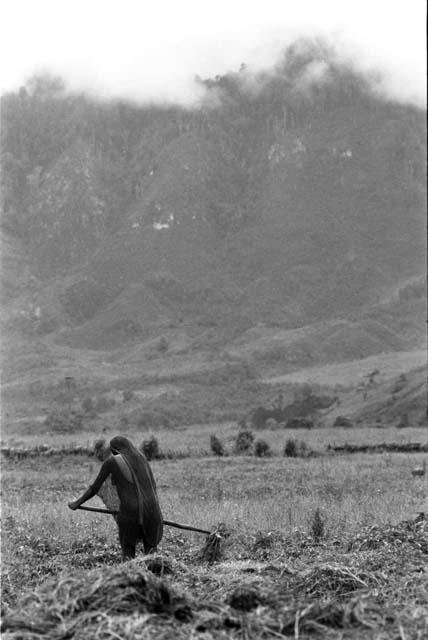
140, 52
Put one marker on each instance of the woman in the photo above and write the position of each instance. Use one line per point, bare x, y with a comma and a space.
139, 516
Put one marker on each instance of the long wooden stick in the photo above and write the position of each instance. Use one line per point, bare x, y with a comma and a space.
167, 522
185, 526
98, 510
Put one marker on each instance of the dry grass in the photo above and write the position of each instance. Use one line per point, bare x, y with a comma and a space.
276, 586
365, 577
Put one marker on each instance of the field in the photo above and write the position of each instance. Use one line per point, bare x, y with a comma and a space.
354, 573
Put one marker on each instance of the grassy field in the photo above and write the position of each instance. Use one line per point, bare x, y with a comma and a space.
268, 507
196, 438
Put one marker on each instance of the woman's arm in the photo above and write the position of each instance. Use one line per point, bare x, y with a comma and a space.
95, 486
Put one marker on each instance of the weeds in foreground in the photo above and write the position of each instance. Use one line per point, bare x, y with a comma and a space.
283, 586
317, 526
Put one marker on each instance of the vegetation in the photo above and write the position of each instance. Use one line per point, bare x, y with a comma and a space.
56, 558
216, 445
244, 441
317, 526
261, 448
150, 448
294, 448
185, 272
62, 419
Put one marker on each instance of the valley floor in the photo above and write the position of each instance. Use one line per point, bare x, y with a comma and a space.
365, 575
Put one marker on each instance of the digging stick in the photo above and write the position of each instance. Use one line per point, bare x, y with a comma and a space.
167, 522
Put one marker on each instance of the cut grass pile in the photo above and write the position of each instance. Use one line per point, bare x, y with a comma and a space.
268, 585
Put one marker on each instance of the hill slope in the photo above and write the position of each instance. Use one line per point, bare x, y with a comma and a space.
298, 209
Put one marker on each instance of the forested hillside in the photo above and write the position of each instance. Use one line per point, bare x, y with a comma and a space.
287, 197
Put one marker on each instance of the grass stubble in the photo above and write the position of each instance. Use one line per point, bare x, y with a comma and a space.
363, 575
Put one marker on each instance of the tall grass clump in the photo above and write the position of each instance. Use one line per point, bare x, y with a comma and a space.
261, 448
216, 445
244, 441
317, 526
294, 448
150, 448
101, 449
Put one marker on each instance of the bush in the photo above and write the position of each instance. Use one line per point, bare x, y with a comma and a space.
290, 448
127, 395
299, 423
216, 446
64, 420
82, 300
261, 448
271, 423
404, 422
150, 448
244, 441
342, 421
303, 393
259, 417
399, 384
101, 449
296, 448
162, 345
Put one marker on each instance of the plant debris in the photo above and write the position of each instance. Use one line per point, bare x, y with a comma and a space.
364, 587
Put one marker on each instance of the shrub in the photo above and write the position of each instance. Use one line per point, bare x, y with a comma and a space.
162, 345
399, 384
82, 300
242, 423
127, 395
101, 449
299, 423
150, 448
64, 420
216, 446
296, 448
271, 423
342, 421
261, 448
290, 448
244, 441
404, 422
317, 526
259, 417
303, 392
302, 449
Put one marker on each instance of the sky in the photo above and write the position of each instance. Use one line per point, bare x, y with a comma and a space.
151, 51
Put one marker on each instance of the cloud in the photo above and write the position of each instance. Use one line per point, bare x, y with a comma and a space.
149, 51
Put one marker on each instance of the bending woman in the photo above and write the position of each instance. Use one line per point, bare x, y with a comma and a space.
139, 516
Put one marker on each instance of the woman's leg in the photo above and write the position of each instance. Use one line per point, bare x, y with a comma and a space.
149, 549
127, 538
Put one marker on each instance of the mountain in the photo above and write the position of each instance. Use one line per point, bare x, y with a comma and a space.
284, 201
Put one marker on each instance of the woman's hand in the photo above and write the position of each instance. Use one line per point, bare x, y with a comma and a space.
74, 505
